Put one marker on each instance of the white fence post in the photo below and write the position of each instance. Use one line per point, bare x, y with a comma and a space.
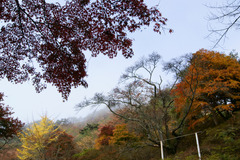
161, 143
198, 147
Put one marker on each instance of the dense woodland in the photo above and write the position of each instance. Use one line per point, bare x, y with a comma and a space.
201, 95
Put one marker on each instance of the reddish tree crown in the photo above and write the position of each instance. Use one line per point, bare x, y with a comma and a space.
45, 42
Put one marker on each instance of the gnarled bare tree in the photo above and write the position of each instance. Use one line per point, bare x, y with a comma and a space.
142, 101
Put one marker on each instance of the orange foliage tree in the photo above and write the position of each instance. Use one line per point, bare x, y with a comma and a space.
212, 81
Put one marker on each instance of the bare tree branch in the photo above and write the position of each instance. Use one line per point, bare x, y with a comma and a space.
228, 16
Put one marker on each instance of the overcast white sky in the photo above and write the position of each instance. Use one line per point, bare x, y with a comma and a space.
188, 19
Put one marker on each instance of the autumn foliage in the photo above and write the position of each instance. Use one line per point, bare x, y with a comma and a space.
216, 79
121, 135
46, 42
63, 148
106, 132
44, 140
114, 135
9, 126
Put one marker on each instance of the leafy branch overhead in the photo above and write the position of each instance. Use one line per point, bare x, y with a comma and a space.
45, 42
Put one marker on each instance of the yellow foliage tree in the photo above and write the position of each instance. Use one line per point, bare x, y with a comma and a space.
121, 135
36, 138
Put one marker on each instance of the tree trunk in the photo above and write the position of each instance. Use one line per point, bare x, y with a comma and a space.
214, 117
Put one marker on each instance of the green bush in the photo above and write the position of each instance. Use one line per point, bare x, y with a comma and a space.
192, 157
219, 156
87, 154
